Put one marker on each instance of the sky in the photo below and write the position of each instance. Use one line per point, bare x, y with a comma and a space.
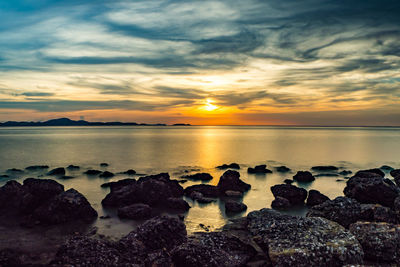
233, 62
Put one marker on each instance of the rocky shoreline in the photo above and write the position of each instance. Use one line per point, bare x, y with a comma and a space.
360, 228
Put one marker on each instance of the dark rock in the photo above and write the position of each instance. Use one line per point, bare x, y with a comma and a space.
182, 181
177, 204
372, 190
151, 190
315, 198
10, 258
40, 191
161, 232
85, 251
36, 167
342, 210
386, 168
288, 181
120, 183
205, 189
294, 194
198, 177
326, 175
230, 193
205, 200
105, 217
4, 176
380, 241
282, 169
371, 173
229, 166
65, 207
135, 211
345, 172
103, 164
303, 177
57, 171
378, 213
230, 181
259, 169
324, 168
106, 174
14, 170
92, 172
232, 206
395, 173
123, 195
11, 196
280, 203
213, 249
299, 241
66, 177
73, 167
155, 189
129, 172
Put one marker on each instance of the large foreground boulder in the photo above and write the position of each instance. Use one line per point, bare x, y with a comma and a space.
372, 190
294, 194
135, 211
212, 250
370, 173
205, 189
11, 196
161, 232
299, 241
232, 206
380, 241
65, 207
230, 181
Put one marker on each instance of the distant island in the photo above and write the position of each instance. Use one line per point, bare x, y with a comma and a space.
69, 122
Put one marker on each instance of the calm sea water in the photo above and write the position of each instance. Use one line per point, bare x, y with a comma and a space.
151, 150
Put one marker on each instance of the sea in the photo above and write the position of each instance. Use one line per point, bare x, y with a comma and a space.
181, 150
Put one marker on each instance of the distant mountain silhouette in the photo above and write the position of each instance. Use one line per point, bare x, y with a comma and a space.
69, 122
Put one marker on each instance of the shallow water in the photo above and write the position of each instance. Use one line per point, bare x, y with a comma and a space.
151, 150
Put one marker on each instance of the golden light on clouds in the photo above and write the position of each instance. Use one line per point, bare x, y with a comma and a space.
209, 106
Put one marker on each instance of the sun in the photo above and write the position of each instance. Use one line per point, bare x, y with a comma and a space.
209, 106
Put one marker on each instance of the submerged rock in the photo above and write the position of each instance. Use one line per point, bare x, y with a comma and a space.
315, 198
380, 241
282, 169
103, 164
294, 194
92, 172
213, 249
106, 174
229, 166
135, 211
129, 172
288, 181
324, 168
14, 170
57, 171
345, 172
299, 241
37, 167
230, 181
304, 177
73, 167
230, 193
259, 169
198, 177
232, 206
372, 190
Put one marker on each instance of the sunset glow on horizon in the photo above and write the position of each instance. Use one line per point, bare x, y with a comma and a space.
202, 62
